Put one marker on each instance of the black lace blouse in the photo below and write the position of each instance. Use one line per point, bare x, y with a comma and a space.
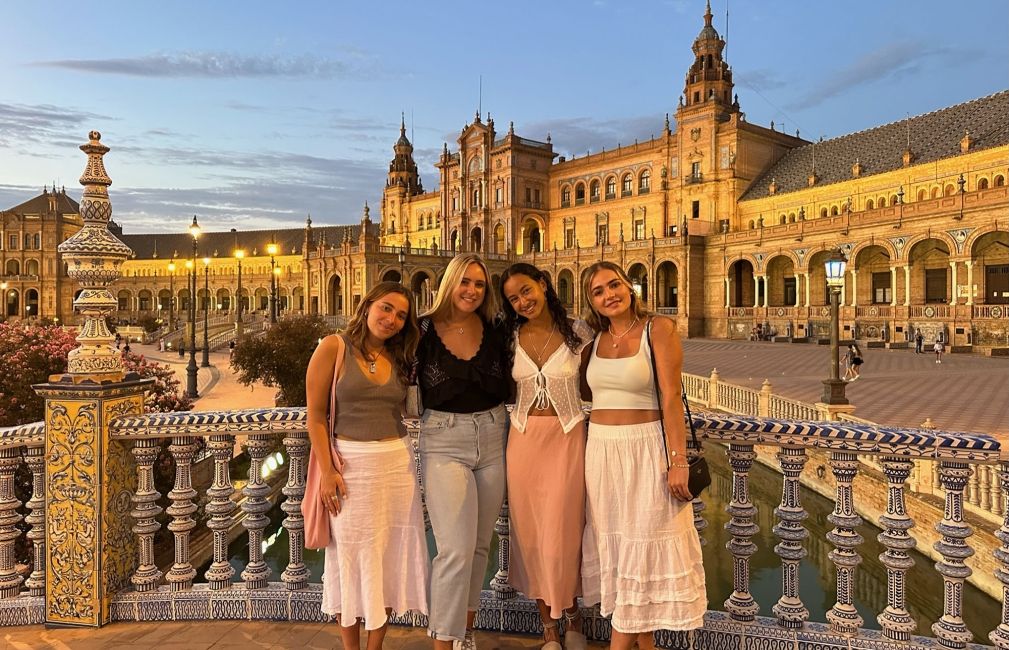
448, 383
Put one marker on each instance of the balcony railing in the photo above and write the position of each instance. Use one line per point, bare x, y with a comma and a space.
693, 179
874, 311
993, 312
180, 593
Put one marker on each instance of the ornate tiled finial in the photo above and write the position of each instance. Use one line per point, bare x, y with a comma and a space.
94, 257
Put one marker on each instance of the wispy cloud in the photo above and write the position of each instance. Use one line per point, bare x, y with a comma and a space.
761, 79
43, 124
891, 61
218, 65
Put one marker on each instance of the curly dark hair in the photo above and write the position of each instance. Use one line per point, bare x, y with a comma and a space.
557, 311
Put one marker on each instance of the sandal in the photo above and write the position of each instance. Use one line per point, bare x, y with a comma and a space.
574, 639
551, 645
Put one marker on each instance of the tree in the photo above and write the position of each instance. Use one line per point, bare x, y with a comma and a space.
280, 357
29, 355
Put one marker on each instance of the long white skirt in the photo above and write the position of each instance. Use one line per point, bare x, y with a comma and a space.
377, 553
641, 553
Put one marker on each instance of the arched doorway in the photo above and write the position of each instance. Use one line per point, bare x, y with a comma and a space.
565, 288
532, 240
990, 253
334, 296
145, 300
13, 303
667, 287
422, 287
123, 300
298, 297
476, 239
873, 280
184, 298
741, 284
31, 303
392, 275
453, 241
639, 280
262, 300
499, 239
929, 261
781, 288
223, 300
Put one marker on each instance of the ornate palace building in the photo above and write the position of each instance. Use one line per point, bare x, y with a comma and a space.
720, 221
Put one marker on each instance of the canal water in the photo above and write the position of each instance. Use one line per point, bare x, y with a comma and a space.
817, 577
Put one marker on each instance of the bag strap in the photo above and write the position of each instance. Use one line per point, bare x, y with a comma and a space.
658, 392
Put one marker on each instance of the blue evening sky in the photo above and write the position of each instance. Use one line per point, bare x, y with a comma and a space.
253, 114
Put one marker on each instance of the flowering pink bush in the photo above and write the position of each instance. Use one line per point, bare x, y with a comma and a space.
29, 354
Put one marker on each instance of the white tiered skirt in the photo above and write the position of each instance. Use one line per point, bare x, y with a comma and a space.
641, 553
377, 553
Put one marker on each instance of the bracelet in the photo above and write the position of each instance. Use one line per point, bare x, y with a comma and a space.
680, 465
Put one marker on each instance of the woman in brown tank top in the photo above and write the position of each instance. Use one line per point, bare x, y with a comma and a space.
376, 560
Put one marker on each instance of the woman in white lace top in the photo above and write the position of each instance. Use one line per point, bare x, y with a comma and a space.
545, 459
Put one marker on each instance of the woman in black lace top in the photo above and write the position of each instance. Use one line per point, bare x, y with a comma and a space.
463, 377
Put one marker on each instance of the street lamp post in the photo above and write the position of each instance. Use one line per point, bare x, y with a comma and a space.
206, 313
960, 183
239, 254
271, 248
171, 295
276, 289
191, 368
833, 388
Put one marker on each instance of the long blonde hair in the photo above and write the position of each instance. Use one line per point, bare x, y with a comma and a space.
403, 346
593, 318
451, 281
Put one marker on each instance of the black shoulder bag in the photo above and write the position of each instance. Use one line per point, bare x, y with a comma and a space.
699, 477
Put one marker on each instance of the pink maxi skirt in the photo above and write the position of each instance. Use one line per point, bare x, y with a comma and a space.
377, 553
546, 508
642, 553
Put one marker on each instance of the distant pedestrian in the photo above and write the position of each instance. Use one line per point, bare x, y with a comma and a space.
939, 348
182, 350
853, 361
126, 348
919, 341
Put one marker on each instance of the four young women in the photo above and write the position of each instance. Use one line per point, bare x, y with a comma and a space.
598, 516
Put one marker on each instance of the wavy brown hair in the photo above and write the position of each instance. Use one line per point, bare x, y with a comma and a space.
403, 345
596, 321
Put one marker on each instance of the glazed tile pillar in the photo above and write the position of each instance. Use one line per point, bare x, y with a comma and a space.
90, 547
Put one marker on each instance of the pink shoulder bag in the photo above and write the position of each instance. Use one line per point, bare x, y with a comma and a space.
312, 508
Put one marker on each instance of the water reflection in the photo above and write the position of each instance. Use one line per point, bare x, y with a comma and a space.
817, 577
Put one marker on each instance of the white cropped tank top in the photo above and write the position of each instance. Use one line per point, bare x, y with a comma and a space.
556, 383
624, 383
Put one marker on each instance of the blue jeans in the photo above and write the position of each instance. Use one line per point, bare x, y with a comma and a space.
462, 465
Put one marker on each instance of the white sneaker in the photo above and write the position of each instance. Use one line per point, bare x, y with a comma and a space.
468, 642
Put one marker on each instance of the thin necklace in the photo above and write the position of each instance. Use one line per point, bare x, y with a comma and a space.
539, 355
372, 368
616, 339
459, 329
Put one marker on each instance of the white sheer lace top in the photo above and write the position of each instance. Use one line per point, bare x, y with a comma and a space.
556, 383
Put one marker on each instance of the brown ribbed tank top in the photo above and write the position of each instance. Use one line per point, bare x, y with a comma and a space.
366, 411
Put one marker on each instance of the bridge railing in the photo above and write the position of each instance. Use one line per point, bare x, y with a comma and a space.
178, 591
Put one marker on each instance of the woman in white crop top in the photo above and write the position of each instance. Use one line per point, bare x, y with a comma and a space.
545, 459
642, 557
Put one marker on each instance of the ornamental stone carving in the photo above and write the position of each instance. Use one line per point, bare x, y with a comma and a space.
94, 258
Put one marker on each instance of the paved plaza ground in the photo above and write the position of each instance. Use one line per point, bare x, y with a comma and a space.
898, 387
234, 635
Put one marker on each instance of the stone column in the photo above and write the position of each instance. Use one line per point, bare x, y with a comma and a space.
854, 287
798, 289
807, 290
756, 290
727, 294
970, 281
907, 285
90, 548
766, 290
952, 283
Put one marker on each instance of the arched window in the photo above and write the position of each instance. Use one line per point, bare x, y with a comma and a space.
999, 181
893, 200
32, 267
565, 196
644, 181
868, 204
921, 194
823, 212
753, 224
594, 191
882, 201
38, 241
13, 267
579, 193
833, 210
935, 193
28, 242
950, 190
625, 185
611, 187
782, 219
791, 217
982, 183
